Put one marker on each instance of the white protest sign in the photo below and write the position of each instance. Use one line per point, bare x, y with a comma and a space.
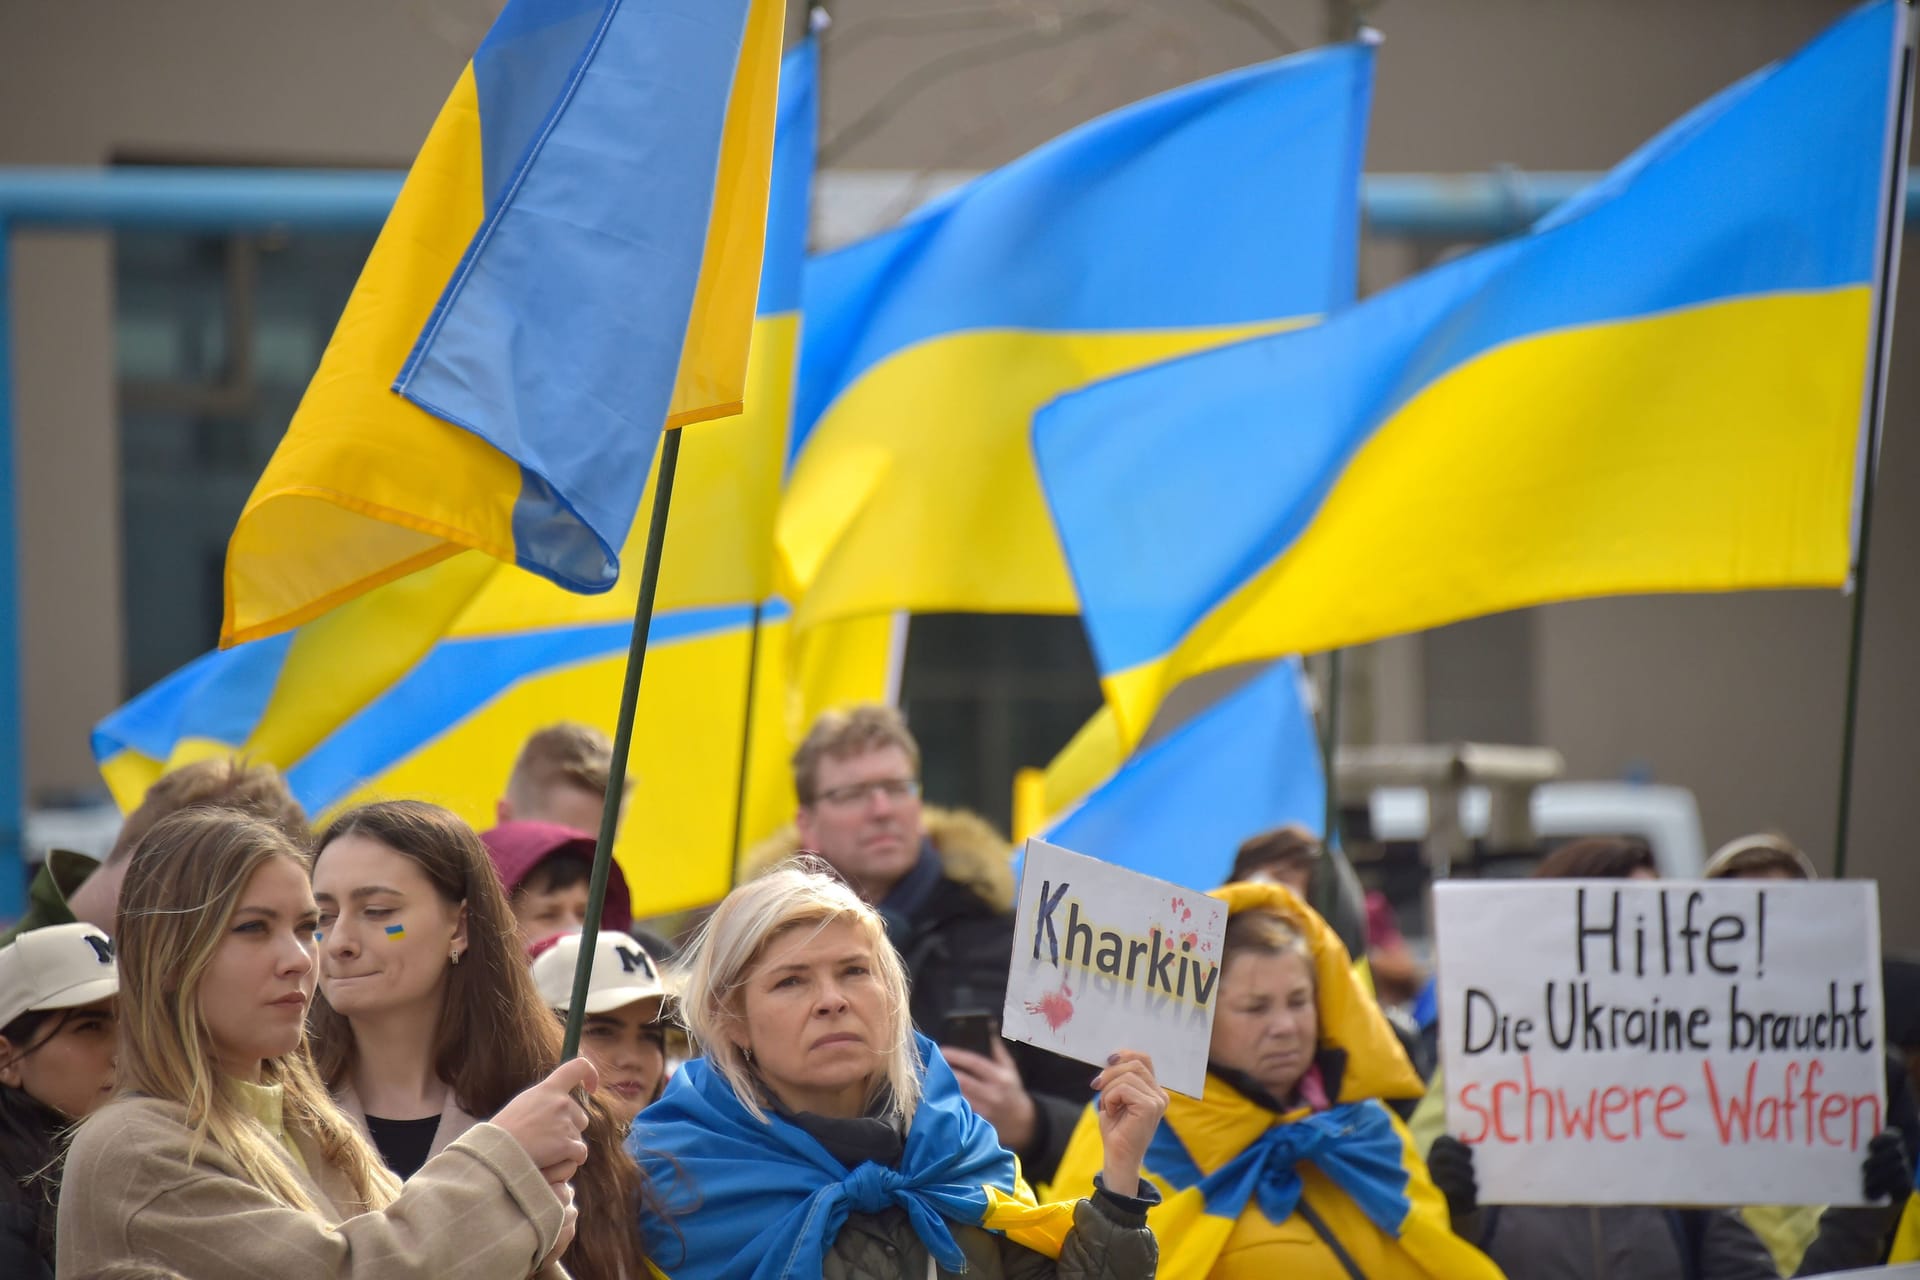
1634, 1042
1107, 959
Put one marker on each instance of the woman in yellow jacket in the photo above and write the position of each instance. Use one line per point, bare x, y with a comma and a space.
1289, 1164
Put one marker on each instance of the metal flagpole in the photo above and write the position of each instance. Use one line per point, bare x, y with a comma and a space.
622, 739
1891, 220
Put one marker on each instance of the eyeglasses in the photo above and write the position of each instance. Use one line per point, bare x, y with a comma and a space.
861, 792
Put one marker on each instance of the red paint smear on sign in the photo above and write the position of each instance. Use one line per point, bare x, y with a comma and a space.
1055, 1006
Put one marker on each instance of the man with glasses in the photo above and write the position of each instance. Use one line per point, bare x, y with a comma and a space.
943, 881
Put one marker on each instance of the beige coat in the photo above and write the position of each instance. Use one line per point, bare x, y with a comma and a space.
480, 1210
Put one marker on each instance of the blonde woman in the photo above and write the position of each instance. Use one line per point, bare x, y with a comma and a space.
820, 1137
223, 1156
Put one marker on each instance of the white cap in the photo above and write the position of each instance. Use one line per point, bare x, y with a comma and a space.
623, 972
60, 966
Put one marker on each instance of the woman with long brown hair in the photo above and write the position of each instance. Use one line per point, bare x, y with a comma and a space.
427, 1016
222, 1154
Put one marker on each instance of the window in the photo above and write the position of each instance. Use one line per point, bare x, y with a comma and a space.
216, 338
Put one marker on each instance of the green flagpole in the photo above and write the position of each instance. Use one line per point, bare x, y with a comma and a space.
746, 753
1876, 415
622, 739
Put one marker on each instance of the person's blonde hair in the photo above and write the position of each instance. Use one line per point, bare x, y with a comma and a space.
841, 734
576, 755
802, 892
183, 885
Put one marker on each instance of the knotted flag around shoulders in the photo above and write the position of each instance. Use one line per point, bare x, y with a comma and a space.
1661, 387
763, 1199
1218, 210
571, 266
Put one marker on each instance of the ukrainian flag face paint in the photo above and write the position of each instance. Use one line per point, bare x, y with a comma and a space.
396, 931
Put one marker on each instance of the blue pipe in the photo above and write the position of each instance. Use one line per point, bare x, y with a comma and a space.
1464, 207
13, 866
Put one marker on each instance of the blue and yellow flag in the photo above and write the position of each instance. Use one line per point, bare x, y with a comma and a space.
758, 1197
1179, 807
571, 265
1233, 1175
1220, 210
1659, 388
428, 686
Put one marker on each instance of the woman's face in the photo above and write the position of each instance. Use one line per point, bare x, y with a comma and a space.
1266, 1024
819, 1024
386, 934
253, 998
67, 1062
629, 1050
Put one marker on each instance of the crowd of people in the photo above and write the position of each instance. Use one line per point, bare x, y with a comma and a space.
239, 1047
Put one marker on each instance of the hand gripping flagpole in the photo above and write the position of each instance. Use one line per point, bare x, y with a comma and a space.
622, 740
1891, 220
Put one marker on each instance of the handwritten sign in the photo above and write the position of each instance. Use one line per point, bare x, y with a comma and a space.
1106, 959
1628, 1042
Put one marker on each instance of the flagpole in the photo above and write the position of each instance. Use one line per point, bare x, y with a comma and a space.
1892, 219
1330, 748
622, 739
746, 752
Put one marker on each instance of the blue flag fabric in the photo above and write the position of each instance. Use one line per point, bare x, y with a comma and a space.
771, 1199
1247, 764
1354, 1144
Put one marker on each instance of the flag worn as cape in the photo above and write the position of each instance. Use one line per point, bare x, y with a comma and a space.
763, 1199
570, 266
1660, 387
1232, 1173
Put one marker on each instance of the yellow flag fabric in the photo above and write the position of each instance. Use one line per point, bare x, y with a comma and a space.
1214, 1219
555, 283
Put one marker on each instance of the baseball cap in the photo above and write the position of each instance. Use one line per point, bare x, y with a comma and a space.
60, 966
518, 847
623, 972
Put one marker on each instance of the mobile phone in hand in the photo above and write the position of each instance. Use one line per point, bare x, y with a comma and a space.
973, 1031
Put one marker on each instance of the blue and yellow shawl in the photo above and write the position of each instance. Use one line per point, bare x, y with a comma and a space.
1233, 1175
763, 1199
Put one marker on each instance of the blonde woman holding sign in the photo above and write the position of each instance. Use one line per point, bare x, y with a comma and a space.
1289, 1164
821, 1137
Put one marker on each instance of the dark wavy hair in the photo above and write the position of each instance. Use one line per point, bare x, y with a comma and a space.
32, 1136
491, 1001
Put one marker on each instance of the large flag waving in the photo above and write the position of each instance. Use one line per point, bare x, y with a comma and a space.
1220, 210
571, 265
427, 686
1659, 388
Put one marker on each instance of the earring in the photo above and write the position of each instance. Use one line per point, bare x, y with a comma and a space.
453, 957
747, 1051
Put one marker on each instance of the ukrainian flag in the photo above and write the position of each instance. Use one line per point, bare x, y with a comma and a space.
1659, 388
1238, 1183
571, 264
427, 687
1179, 807
1218, 211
